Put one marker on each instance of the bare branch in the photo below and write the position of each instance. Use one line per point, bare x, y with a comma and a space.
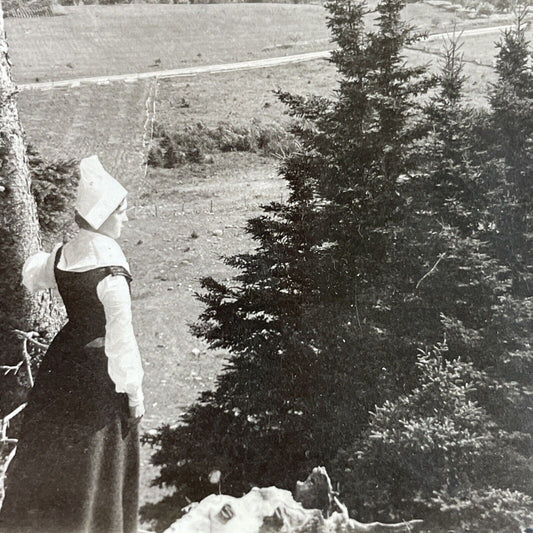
29, 336
441, 257
14, 413
27, 361
11, 368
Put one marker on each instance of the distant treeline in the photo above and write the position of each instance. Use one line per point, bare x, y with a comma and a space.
36, 8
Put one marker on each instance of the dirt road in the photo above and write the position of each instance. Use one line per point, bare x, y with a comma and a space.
226, 67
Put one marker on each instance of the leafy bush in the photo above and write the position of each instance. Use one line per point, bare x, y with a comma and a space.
53, 186
195, 141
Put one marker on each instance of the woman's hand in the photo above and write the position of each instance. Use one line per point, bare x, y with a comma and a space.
137, 412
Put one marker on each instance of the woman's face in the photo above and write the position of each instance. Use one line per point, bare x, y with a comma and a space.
112, 227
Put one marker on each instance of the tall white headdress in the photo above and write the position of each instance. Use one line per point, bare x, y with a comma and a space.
99, 194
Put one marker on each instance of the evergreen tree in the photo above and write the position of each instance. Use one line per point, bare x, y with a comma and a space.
455, 449
437, 453
506, 160
308, 354
396, 237
510, 133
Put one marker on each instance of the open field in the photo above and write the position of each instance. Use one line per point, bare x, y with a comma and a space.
477, 49
76, 122
183, 220
112, 119
168, 254
121, 39
99, 40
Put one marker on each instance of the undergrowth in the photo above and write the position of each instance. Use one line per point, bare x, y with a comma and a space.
194, 143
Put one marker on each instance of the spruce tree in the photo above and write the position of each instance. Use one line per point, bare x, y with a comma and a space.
510, 132
398, 235
305, 320
454, 450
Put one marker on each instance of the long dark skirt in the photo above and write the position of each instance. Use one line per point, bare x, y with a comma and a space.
76, 469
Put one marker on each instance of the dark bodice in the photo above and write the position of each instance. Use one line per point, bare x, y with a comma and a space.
86, 316
73, 384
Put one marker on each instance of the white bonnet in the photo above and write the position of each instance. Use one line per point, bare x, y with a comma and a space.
99, 194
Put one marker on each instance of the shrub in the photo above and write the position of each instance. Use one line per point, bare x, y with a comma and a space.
484, 8
170, 150
53, 186
435, 452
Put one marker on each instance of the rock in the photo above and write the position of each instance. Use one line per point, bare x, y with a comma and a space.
227, 514
273, 510
218, 233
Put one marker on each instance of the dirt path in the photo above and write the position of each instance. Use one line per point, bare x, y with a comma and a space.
227, 67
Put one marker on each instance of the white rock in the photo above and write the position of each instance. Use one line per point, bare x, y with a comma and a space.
276, 511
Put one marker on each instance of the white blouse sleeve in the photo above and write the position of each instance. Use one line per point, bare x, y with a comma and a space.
124, 361
38, 271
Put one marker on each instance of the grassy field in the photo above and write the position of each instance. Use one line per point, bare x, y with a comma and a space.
99, 40
183, 220
120, 39
76, 122
201, 221
476, 49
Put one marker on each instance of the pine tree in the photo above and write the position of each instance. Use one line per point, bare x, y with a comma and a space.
399, 234
510, 130
305, 321
454, 450
437, 453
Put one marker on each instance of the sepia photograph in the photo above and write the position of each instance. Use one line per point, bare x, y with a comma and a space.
266, 266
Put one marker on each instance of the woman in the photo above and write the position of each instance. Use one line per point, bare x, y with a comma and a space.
77, 464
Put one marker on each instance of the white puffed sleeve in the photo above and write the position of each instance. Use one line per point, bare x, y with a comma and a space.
38, 271
124, 361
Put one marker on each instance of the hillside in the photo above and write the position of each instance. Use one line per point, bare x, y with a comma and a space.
120, 39
174, 235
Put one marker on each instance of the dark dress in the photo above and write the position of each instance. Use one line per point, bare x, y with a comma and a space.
76, 469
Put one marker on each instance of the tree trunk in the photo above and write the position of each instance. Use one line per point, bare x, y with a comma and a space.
19, 232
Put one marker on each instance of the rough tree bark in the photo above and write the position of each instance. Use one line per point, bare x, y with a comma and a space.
19, 232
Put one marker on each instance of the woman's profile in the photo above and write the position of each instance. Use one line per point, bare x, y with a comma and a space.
76, 469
